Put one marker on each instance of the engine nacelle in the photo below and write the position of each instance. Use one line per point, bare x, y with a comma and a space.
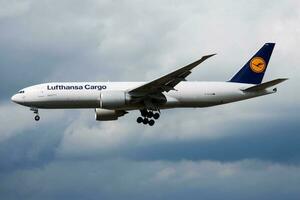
107, 115
113, 99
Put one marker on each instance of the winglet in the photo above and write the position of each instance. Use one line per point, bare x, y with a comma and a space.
202, 59
208, 56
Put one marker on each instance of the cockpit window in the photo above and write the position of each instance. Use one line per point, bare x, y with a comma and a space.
21, 91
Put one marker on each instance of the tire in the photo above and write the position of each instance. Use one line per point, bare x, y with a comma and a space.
37, 118
151, 122
156, 115
139, 120
150, 114
145, 121
144, 113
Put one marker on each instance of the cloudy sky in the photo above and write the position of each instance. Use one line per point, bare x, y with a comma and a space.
246, 150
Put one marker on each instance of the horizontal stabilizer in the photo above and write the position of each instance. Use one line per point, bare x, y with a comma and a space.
265, 85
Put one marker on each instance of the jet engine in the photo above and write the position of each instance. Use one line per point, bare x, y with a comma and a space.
113, 99
107, 115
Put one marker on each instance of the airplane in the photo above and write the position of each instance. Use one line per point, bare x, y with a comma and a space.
111, 100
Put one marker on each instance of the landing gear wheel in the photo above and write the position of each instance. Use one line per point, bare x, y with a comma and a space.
139, 120
145, 121
156, 115
144, 113
36, 118
151, 122
150, 114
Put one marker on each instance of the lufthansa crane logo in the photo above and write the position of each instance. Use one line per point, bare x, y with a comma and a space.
258, 65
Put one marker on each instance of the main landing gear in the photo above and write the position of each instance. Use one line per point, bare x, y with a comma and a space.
36, 112
147, 116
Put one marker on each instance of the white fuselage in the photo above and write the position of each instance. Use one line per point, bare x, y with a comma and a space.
87, 94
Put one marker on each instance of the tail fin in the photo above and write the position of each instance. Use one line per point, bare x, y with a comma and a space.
254, 70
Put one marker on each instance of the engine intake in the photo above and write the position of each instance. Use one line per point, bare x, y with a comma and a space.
108, 115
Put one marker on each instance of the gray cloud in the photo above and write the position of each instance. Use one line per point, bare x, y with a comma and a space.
276, 141
119, 179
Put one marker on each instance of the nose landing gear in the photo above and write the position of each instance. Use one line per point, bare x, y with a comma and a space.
36, 112
147, 117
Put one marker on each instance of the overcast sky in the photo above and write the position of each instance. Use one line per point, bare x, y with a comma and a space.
245, 150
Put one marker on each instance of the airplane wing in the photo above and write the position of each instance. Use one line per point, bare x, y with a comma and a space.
167, 82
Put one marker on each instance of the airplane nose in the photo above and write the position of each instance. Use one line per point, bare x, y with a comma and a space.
14, 98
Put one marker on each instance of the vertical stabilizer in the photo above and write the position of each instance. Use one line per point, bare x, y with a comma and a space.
254, 70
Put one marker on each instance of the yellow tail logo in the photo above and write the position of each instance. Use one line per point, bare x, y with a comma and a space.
258, 65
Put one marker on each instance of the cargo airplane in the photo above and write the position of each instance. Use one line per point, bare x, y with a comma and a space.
111, 100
